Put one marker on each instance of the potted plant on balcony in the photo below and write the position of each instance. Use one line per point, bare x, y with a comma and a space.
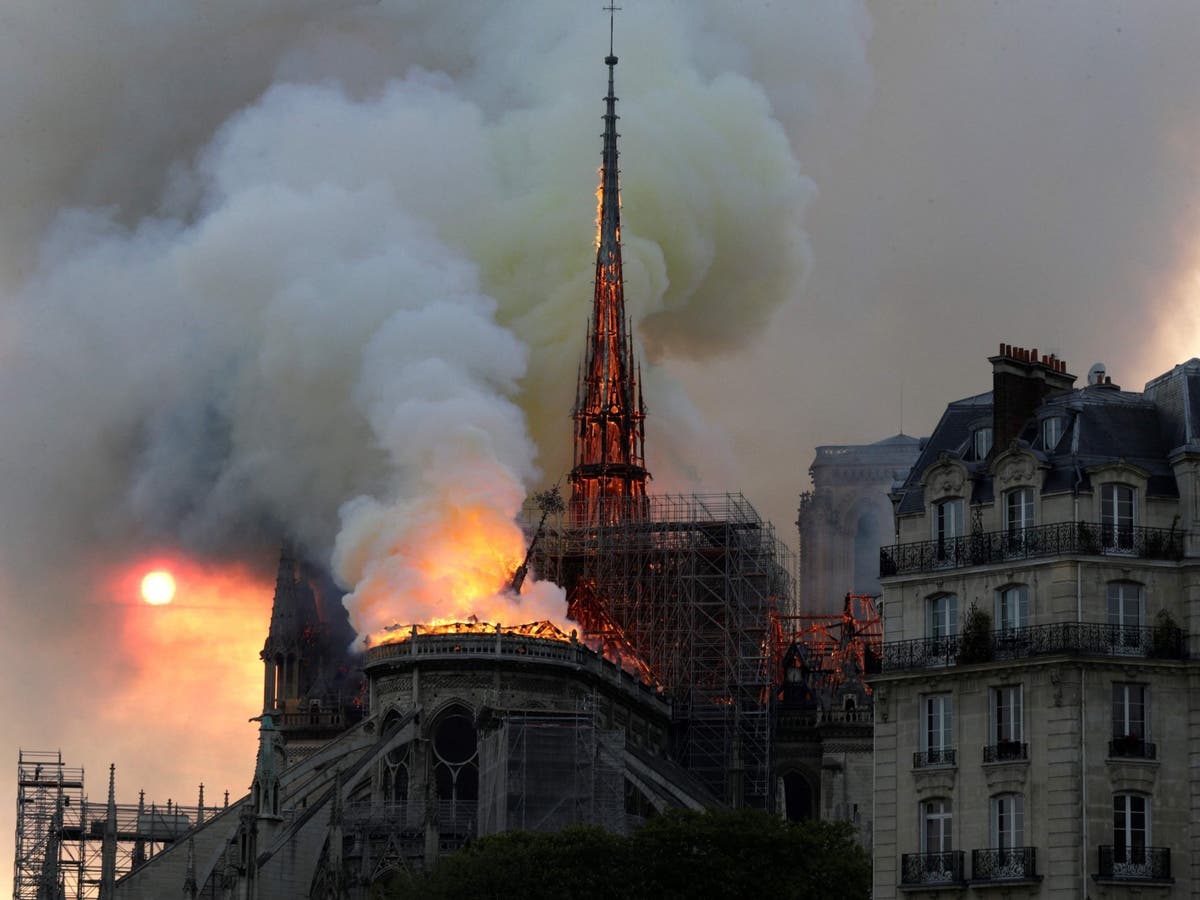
976, 643
1166, 640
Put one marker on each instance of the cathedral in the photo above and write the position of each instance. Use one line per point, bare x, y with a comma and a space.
686, 685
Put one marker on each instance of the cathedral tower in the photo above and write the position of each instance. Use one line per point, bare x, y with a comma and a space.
608, 479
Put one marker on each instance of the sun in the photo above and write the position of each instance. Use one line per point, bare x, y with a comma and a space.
158, 587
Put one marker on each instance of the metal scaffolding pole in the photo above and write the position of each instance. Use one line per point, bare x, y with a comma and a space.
681, 590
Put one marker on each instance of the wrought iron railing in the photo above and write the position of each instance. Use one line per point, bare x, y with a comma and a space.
924, 759
1063, 538
1129, 747
1135, 863
1006, 751
1072, 638
932, 868
1007, 864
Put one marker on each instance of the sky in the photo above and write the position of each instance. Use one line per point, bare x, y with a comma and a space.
321, 269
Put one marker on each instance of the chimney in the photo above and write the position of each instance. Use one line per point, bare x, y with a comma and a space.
1021, 380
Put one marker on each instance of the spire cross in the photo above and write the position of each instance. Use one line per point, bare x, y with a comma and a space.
612, 10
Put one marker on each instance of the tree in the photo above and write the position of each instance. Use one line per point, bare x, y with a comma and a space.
975, 645
678, 854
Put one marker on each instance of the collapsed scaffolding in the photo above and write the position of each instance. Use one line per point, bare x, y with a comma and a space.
815, 658
70, 848
681, 589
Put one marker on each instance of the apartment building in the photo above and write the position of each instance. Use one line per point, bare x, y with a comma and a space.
1038, 709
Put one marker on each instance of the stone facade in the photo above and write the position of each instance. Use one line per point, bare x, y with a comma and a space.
1036, 715
845, 518
465, 735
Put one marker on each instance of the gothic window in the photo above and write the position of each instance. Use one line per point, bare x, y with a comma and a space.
395, 781
456, 771
797, 797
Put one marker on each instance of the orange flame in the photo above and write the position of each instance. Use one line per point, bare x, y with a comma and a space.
452, 566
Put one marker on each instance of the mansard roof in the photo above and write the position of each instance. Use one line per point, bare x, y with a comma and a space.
1102, 424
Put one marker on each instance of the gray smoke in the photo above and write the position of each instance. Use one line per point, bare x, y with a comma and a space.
322, 270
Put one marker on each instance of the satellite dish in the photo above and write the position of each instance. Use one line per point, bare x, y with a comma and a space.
1096, 374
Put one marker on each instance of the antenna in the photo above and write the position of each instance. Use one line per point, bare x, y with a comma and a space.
612, 10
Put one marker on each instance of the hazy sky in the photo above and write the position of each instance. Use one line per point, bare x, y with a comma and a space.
322, 269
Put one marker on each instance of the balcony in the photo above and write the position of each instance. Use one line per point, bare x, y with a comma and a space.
1131, 747
926, 759
1056, 638
1061, 539
923, 870
1006, 751
1135, 864
1004, 865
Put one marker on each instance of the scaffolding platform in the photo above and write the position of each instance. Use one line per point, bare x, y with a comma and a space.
61, 835
681, 589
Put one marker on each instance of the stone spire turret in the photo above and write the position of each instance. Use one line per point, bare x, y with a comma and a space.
608, 478
108, 847
285, 653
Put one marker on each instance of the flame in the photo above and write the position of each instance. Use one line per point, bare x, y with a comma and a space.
395, 634
448, 565
599, 205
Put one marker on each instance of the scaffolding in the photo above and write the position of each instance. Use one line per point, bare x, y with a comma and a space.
61, 835
680, 589
546, 771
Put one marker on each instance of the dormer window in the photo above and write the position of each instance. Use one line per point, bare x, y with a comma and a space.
981, 442
1052, 430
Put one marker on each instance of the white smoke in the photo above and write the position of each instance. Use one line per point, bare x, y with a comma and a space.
321, 269
358, 304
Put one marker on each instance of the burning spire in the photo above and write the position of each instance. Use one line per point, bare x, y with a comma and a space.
609, 473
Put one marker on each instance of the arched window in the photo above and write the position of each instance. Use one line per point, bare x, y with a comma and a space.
797, 797
456, 770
